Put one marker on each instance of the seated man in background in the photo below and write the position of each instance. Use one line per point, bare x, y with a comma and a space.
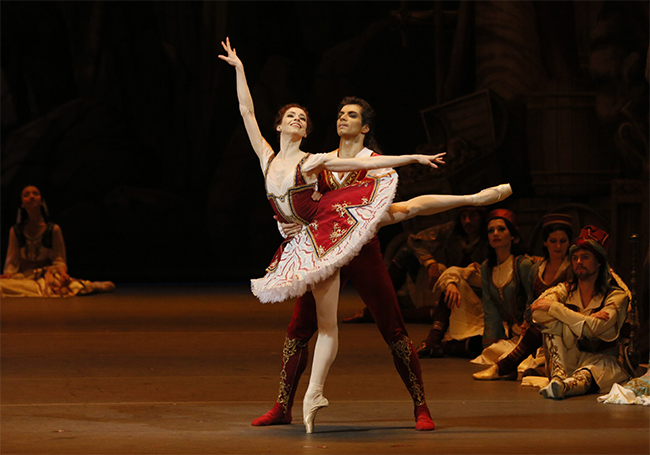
456, 243
581, 320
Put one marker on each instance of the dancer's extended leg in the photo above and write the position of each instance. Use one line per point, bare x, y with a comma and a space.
430, 204
326, 294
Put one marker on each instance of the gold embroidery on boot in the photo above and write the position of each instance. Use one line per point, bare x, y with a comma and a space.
556, 367
288, 350
403, 349
581, 379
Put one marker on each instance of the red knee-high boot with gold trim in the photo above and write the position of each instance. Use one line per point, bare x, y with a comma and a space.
295, 356
408, 366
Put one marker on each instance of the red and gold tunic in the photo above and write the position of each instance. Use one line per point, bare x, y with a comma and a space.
336, 227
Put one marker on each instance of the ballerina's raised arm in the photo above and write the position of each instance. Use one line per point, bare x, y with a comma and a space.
246, 108
331, 163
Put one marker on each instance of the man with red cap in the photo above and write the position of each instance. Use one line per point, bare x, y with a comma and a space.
580, 321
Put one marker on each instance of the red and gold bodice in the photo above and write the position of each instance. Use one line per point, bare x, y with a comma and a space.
296, 205
337, 226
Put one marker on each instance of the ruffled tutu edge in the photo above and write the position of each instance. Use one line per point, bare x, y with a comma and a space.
299, 285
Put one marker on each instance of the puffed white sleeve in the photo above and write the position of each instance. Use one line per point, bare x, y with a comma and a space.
58, 249
587, 326
265, 156
558, 293
454, 274
314, 161
12, 262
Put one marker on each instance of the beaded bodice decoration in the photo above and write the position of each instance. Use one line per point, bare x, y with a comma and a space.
296, 204
336, 226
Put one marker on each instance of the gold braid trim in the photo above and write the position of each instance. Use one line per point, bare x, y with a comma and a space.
403, 349
557, 369
289, 349
439, 326
638, 386
581, 378
518, 351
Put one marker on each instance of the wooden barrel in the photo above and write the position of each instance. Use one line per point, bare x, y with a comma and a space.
569, 153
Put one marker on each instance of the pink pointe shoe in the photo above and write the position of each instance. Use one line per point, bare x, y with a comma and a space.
309, 410
491, 195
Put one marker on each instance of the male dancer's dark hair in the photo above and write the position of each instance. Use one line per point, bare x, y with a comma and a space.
367, 118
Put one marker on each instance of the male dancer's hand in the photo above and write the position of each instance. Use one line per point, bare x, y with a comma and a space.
289, 229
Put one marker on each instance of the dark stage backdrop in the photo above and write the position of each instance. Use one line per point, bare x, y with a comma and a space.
122, 114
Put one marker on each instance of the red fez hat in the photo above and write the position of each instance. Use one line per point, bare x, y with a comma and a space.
594, 239
556, 218
505, 214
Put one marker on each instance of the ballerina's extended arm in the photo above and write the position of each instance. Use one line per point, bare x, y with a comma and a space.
333, 163
245, 101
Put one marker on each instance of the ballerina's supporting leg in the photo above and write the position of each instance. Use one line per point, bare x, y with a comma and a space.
326, 294
430, 204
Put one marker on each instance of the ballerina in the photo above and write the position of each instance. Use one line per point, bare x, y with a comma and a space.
336, 227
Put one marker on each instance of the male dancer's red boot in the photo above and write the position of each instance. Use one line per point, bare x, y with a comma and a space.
295, 356
408, 365
423, 421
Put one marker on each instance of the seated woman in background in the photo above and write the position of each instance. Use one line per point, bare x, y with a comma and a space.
507, 290
482, 306
36, 262
555, 268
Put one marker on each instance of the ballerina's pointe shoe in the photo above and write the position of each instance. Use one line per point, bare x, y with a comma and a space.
492, 374
423, 421
492, 195
275, 416
309, 410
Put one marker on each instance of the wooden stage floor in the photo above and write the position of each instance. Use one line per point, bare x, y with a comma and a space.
184, 370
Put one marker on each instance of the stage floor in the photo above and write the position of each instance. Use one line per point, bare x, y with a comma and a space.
184, 370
